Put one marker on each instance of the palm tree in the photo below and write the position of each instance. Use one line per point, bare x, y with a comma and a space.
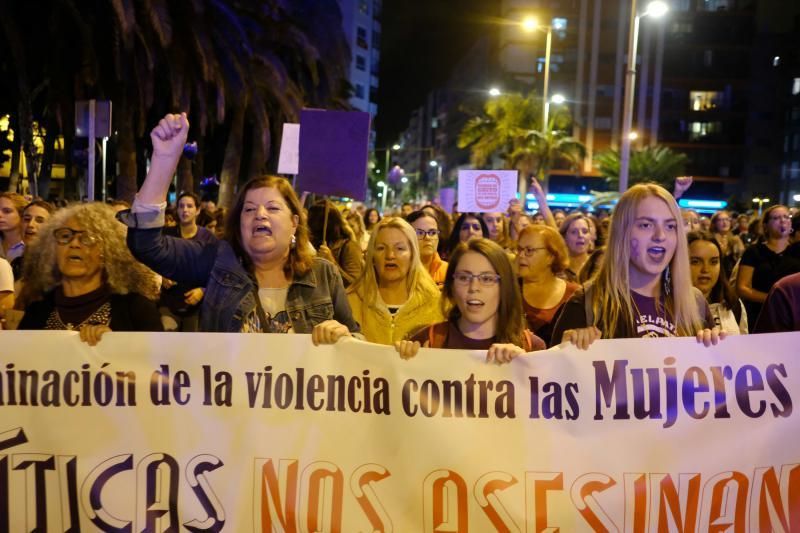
510, 129
653, 163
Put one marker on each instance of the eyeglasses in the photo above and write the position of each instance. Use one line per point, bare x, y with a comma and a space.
64, 236
484, 278
528, 251
474, 226
780, 217
431, 233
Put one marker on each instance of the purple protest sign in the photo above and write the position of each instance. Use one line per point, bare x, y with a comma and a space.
333, 153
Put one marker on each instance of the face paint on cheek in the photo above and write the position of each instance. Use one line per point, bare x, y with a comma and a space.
634, 249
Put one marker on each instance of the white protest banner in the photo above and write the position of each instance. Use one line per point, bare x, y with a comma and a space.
252, 433
486, 191
289, 158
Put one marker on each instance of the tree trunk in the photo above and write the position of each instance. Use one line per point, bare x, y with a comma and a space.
26, 138
46, 169
258, 157
231, 164
185, 176
16, 155
126, 156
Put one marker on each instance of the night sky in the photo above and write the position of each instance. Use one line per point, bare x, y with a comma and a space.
421, 41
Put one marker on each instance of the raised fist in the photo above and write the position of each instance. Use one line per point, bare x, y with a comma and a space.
169, 136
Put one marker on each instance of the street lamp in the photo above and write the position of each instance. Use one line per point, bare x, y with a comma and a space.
760, 202
435, 164
494, 91
530, 24
558, 99
655, 9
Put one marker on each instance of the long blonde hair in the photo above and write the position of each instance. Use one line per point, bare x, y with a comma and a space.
611, 299
418, 280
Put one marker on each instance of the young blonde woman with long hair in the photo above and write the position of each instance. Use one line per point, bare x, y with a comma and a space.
395, 295
644, 286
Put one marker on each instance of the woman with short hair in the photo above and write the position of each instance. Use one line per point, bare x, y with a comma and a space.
542, 257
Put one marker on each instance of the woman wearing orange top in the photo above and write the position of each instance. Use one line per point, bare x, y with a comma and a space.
427, 228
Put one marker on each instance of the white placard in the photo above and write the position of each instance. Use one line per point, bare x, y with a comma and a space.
289, 159
486, 191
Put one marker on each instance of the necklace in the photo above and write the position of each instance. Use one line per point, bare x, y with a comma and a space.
639, 314
101, 317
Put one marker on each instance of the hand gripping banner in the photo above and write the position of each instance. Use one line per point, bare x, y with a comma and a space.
259, 433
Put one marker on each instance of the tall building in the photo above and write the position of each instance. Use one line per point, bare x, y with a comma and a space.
363, 30
709, 80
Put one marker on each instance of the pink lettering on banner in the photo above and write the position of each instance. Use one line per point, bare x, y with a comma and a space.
487, 191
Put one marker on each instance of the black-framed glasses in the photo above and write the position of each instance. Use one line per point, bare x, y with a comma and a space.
527, 251
430, 233
64, 236
487, 279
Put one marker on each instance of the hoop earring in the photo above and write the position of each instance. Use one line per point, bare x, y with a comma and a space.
667, 281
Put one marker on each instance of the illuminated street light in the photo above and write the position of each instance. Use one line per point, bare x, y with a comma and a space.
530, 24
434, 163
381, 184
633, 136
760, 202
655, 9
404, 180
558, 99
796, 197
494, 91
396, 147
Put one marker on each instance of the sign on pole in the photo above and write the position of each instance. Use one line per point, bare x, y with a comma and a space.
93, 120
289, 158
333, 153
486, 191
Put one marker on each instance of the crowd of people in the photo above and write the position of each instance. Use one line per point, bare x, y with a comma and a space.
506, 282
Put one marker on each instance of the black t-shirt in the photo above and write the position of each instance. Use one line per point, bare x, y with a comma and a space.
768, 267
174, 298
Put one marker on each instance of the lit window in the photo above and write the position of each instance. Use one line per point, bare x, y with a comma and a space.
713, 5
701, 130
559, 25
705, 100
361, 38
796, 86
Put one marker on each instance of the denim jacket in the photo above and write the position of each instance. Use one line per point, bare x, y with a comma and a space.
230, 293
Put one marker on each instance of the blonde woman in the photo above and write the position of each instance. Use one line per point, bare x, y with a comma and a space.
395, 295
644, 286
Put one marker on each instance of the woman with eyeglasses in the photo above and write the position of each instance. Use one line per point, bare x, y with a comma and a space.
394, 295
81, 276
766, 262
468, 226
427, 228
485, 308
542, 256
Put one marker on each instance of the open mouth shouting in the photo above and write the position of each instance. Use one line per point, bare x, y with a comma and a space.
657, 254
262, 230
